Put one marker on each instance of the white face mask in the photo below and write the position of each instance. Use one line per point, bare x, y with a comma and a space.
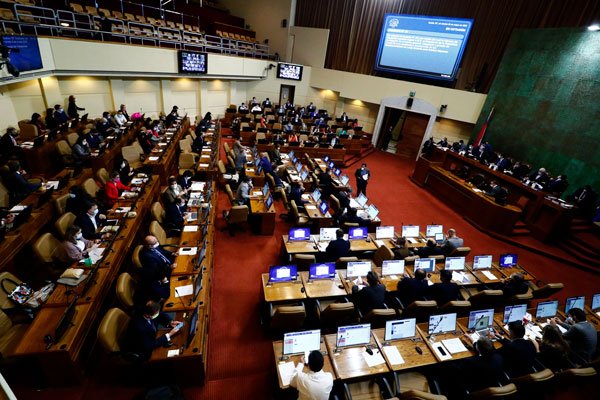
79, 236
155, 315
122, 165
84, 143
95, 212
174, 187
155, 245
71, 195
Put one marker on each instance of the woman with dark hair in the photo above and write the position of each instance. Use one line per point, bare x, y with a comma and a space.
125, 171
81, 150
75, 246
553, 351
36, 119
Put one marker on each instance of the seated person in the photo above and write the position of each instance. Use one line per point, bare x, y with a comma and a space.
553, 350
185, 180
93, 138
125, 171
444, 291
90, 222
157, 263
520, 170
81, 150
175, 215
60, 115
558, 186
143, 327
514, 285
540, 177
296, 190
352, 217
75, 246
113, 188
412, 289
316, 384
580, 335
268, 169
173, 192
431, 249
339, 247
242, 195
120, 118
370, 297
401, 251
242, 107
498, 192
481, 371
517, 352
451, 242
256, 109
17, 185
78, 201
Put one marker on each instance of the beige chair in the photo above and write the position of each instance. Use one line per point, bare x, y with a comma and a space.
102, 176
132, 155
334, 202
112, 331
379, 316
72, 138
287, 318
534, 383
369, 389
333, 315
460, 307
544, 292
298, 218
65, 152
135, 259
4, 196
126, 287
60, 204
157, 230
10, 335
230, 195
509, 390
460, 252
486, 299
222, 172
414, 385
303, 261
91, 187
342, 262
158, 212
420, 309
186, 161
63, 223
237, 215
50, 252
383, 253
226, 147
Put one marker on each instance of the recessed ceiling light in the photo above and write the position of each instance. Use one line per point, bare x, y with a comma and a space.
594, 28
64, 24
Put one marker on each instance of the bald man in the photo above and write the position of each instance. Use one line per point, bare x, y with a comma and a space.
157, 263
452, 242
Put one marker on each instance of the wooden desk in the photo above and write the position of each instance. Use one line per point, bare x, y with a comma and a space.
469, 278
299, 247
507, 272
463, 323
481, 276
322, 288
406, 348
458, 333
279, 292
296, 358
107, 159
350, 363
263, 220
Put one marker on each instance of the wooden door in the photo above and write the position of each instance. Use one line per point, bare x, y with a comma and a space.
411, 134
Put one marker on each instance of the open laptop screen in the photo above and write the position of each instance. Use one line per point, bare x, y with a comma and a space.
546, 309
481, 319
353, 335
283, 273
327, 234
372, 211
514, 313
426, 264
384, 232
400, 329
323, 207
265, 189
596, 302
357, 233
316, 195
344, 180
362, 200
508, 260
269, 202
410, 231
442, 323
455, 263
358, 268
482, 262
433, 229
321, 271
301, 342
299, 234
392, 267
574, 302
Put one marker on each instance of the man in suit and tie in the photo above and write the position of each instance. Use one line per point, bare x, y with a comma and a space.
157, 263
174, 215
412, 289
90, 222
143, 330
339, 247
362, 178
445, 290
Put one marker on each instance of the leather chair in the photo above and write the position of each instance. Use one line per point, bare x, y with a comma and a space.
186, 161
63, 223
486, 299
4, 196
368, 389
65, 152
271, 181
226, 147
420, 309
534, 384
72, 138
287, 318
10, 335
300, 219
575, 374
91, 187
342, 262
412, 394
126, 288
509, 390
27, 131
230, 162
334, 203
378, 317
285, 201
460, 307
60, 204
230, 195
410, 259
102, 176
222, 172
48, 249
135, 258
157, 230
414, 385
112, 333
519, 298
383, 253
236, 216
132, 155
158, 212
546, 291
333, 315
303, 261
347, 225
460, 252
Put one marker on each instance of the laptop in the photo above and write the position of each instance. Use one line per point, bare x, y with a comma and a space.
392, 267
353, 335
439, 238
299, 234
480, 322
344, 179
596, 302
301, 342
426, 264
265, 189
326, 159
337, 172
321, 271
331, 165
482, 262
354, 269
410, 231
269, 202
323, 207
362, 200
384, 232
545, 310
432, 230
454, 263
283, 273
508, 260
359, 233
514, 313
574, 302
327, 234
316, 195
399, 329
304, 175
442, 323
372, 211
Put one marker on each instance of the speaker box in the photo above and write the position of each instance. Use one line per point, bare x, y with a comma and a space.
284, 23
409, 102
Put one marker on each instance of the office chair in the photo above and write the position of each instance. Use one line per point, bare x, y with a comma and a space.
342, 262
230, 162
334, 203
63, 223
158, 212
65, 152
271, 181
286, 204
486, 299
235, 216
72, 138
300, 219
415, 385
102, 175
460, 307
534, 385
383, 253
126, 288
135, 259
419, 309
11, 334
460, 252
222, 172
286, 318
60, 204
230, 195
332, 315
545, 291
303, 261
91, 187
186, 161
378, 317
493, 392
50, 252
157, 230
374, 388
112, 334
226, 146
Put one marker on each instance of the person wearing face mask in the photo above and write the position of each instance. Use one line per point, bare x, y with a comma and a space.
173, 192
126, 173
185, 180
362, 178
157, 263
90, 222
174, 215
113, 188
143, 329
60, 115
75, 246
120, 118
17, 185
81, 150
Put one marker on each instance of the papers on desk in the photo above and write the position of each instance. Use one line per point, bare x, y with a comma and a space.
429, 283
412, 240
232, 177
183, 291
190, 228
197, 186
128, 195
310, 207
286, 372
393, 277
489, 275
375, 359
96, 254
459, 276
17, 209
379, 243
477, 190
257, 193
162, 144
393, 355
172, 353
203, 165
354, 204
454, 345
306, 197
188, 251
205, 156
121, 210
137, 181
52, 184
109, 228
322, 246
532, 332
562, 330
196, 195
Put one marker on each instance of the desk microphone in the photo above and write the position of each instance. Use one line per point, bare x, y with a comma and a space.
180, 299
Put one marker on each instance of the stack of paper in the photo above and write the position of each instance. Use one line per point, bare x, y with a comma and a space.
393, 355
489, 275
188, 251
190, 228
454, 345
286, 371
183, 291
375, 359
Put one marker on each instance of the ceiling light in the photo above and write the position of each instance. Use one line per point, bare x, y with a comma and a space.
64, 24
594, 28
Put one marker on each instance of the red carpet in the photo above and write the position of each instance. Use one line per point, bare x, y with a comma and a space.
240, 363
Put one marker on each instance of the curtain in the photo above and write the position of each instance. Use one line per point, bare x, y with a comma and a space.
355, 27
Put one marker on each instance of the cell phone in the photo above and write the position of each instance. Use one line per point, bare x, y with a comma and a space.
179, 326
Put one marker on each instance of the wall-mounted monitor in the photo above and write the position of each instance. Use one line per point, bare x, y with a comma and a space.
430, 47
192, 62
23, 52
289, 71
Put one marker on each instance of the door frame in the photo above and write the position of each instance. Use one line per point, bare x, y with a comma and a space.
291, 91
419, 106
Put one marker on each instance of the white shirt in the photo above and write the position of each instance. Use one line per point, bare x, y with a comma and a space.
80, 245
312, 385
93, 219
121, 120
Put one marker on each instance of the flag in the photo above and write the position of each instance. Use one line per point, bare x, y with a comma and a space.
484, 128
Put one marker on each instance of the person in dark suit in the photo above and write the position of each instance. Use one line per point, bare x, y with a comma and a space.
558, 186
157, 263
51, 122
370, 297
143, 328
60, 115
296, 191
72, 110
540, 177
16, 184
412, 289
445, 291
585, 199
514, 285
362, 176
352, 217
78, 201
498, 192
339, 247
9, 146
431, 249
481, 371
517, 352
401, 251
503, 163
90, 222
185, 179
580, 335
520, 170
174, 215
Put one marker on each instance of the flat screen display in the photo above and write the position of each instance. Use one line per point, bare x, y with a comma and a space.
482, 262
327, 234
353, 335
193, 62
433, 229
400, 329
283, 273
301, 342
514, 313
410, 231
575, 302
316, 195
384, 232
359, 233
362, 200
454, 263
392, 267
546, 309
508, 260
323, 207
481, 319
358, 268
24, 52
289, 71
596, 302
269, 202
426, 264
321, 271
442, 323
430, 47
299, 234
372, 211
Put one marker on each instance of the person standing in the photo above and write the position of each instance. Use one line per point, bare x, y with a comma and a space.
362, 178
72, 110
